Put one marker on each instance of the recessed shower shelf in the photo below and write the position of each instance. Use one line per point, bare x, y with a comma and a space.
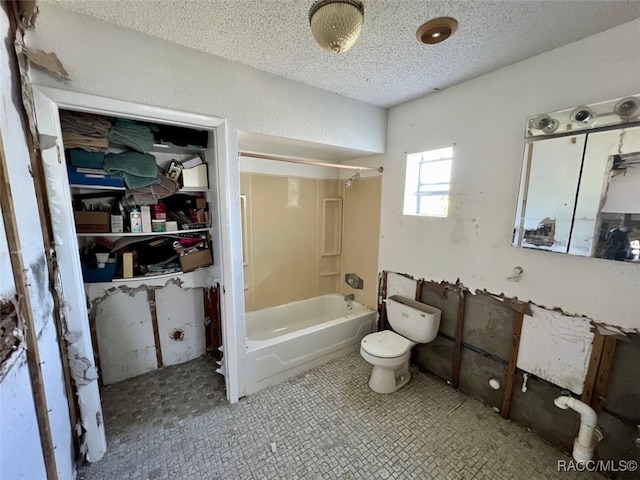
330, 274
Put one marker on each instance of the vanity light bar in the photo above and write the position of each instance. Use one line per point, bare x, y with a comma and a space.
585, 117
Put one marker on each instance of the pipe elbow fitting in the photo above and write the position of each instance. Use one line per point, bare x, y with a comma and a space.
587, 414
562, 402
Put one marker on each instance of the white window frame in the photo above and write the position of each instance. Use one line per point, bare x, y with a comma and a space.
413, 182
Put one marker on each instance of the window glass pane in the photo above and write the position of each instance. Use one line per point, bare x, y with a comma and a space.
434, 205
427, 179
436, 171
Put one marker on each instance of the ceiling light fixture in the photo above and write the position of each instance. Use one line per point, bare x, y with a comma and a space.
436, 30
336, 24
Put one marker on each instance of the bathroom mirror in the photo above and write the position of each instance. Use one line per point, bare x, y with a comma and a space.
580, 184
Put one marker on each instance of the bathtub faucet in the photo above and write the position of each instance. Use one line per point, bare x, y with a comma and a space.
348, 298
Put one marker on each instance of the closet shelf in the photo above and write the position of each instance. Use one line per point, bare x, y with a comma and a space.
162, 148
144, 234
96, 187
122, 189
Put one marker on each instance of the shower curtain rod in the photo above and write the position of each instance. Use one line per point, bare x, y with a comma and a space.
281, 158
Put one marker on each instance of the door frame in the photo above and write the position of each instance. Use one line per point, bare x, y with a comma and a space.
225, 186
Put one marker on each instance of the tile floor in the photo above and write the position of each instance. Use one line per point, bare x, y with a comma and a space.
326, 424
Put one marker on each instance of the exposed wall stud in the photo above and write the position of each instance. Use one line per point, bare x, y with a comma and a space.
213, 320
382, 307
151, 298
604, 374
511, 368
457, 357
594, 364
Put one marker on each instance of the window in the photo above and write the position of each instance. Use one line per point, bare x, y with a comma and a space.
426, 187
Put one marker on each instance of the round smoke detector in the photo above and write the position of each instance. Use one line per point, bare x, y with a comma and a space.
436, 30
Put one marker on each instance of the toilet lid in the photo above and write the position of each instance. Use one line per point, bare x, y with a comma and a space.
385, 344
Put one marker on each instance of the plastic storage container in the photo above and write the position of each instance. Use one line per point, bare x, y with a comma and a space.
95, 275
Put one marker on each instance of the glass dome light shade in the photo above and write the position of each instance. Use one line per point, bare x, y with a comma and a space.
336, 24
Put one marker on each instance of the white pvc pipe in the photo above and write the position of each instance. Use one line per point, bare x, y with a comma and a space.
584, 444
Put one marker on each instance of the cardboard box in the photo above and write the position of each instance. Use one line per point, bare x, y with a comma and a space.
194, 260
127, 265
145, 212
195, 177
92, 222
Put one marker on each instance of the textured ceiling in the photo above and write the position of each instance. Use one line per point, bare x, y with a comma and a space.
387, 66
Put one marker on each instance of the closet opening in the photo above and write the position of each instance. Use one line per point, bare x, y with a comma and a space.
143, 228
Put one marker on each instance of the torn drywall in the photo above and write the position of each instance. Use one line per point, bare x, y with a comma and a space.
82, 369
556, 348
12, 333
136, 332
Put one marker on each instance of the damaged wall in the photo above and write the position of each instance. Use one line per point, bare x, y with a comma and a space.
474, 242
553, 358
21, 454
143, 328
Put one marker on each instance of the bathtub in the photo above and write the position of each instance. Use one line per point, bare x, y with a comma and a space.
287, 340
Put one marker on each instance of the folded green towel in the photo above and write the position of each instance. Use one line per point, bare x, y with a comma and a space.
137, 169
128, 133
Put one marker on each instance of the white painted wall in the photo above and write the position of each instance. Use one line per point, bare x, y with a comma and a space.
20, 450
125, 336
484, 118
181, 309
110, 61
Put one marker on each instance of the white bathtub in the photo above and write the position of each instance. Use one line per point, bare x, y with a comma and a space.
290, 339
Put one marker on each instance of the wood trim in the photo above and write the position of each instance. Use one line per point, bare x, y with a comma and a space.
151, 298
510, 381
592, 371
457, 356
604, 374
31, 335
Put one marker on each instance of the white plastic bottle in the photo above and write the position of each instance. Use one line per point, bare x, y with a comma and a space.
136, 220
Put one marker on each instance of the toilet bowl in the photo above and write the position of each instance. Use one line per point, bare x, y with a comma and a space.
389, 354
389, 351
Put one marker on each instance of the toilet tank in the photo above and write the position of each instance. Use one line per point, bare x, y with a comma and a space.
414, 320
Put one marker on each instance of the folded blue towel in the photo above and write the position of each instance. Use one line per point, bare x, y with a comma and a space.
137, 169
82, 158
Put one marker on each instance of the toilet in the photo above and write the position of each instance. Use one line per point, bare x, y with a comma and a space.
389, 351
